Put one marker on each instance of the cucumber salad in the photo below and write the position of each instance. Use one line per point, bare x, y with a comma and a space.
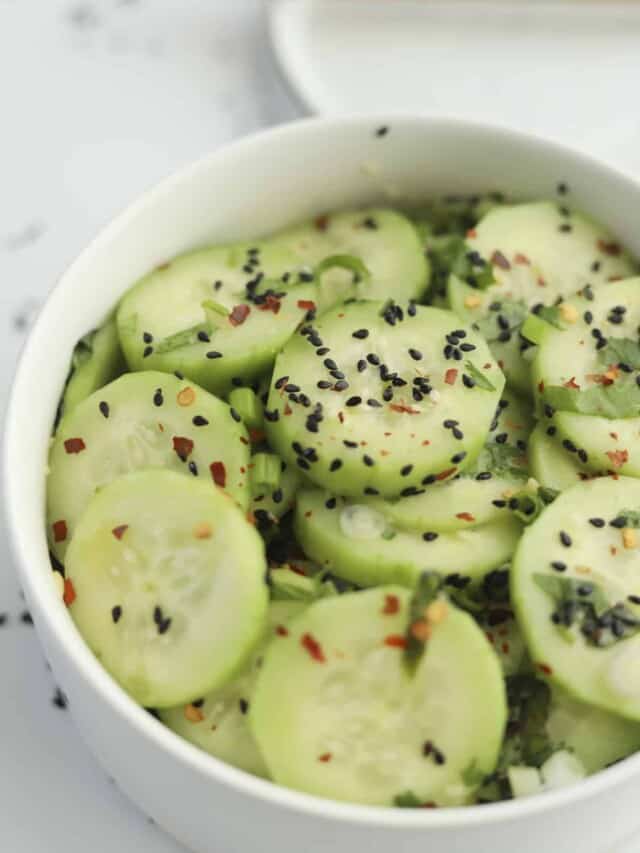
356, 507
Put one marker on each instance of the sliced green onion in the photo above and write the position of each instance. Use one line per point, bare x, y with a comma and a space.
265, 474
248, 406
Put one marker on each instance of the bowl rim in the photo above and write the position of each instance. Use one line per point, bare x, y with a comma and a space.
91, 672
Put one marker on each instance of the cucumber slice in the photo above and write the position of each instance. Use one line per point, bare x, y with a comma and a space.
361, 544
141, 420
168, 581
596, 737
551, 464
577, 376
538, 252
575, 580
385, 241
97, 359
217, 722
337, 714
331, 413
165, 323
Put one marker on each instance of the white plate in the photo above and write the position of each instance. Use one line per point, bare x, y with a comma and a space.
566, 71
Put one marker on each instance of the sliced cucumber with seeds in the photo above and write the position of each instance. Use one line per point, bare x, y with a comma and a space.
217, 722
576, 591
596, 737
551, 464
367, 547
385, 241
97, 359
536, 253
587, 376
215, 314
336, 712
168, 579
375, 398
275, 500
142, 420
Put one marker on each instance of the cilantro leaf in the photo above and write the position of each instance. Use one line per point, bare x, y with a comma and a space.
551, 314
472, 268
621, 351
408, 800
619, 400
584, 604
478, 377
631, 517
503, 460
426, 591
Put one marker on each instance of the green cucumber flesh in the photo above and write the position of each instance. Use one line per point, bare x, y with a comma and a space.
337, 714
384, 240
141, 420
97, 359
359, 543
278, 501
217, 723
168, 580
572, 553
362, 434
552, 465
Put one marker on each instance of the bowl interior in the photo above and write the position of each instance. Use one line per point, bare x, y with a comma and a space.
253, 188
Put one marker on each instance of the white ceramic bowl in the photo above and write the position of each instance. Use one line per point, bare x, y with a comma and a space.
248, 189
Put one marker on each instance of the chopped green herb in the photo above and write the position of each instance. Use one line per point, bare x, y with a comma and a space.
479, 377
621, 351
389, 534
552, 315
472, 775
426, 591
631, 517
527, 505
512, 314
471, 268
619, 400
503, 460
408, 800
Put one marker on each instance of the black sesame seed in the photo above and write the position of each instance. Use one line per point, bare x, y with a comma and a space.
291, 389
330, 364
147, 352
562, 188
429, 480
337, 374
277, 496
335, 465
467, 347
375, 404
410, 491
588, 317
235, 415
104, 408
597, 522
147, 337
362, 365
330, 503
368, 460
387, 394
569, 445
302, 463
415, 354
406, 470
500, 504
582, 455
322, 351
214, 354
484, 475
243, 705
369, 490
565, 228
468, 381
430, 536
199, 421
324, 384
458, 457
354, 401
552, 430
193, 468
342, 385
272, 416
457, 433
559, 566
116, 613
565, 539
372, 358
502, 438
504, 337
204, 337
361, 334
619, 522
634, 599
158, 399
348, 443
449, 424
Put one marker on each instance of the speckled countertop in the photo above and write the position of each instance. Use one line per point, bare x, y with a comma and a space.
100, 99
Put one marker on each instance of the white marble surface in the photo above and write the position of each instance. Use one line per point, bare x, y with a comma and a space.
100, 99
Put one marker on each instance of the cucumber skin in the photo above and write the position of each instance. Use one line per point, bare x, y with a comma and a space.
400, 560
287, 656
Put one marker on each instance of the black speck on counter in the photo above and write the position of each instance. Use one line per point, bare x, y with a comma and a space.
26, 618
59, 699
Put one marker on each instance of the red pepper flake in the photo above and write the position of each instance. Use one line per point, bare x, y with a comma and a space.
471, 233
571, 383
287, 409
271, 303
59, 530
450, 376
325, 757
487, 366
74, 445
307, 304
465, 516
321, 222
182, 446
614, 435
219, 473
396, 641
403, 409
391, 605
541, 386
244, 440
69, 595
444, 474
541, 282
281, 631
297, 570
505, 648
500, 261
612, 249
489, 636
341, 417
120, 530
313, 647
239, 314
257, 435
308, 513
545, 668
251, 518
426, 442
618, 457
164, 266
613, 278
523, 260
